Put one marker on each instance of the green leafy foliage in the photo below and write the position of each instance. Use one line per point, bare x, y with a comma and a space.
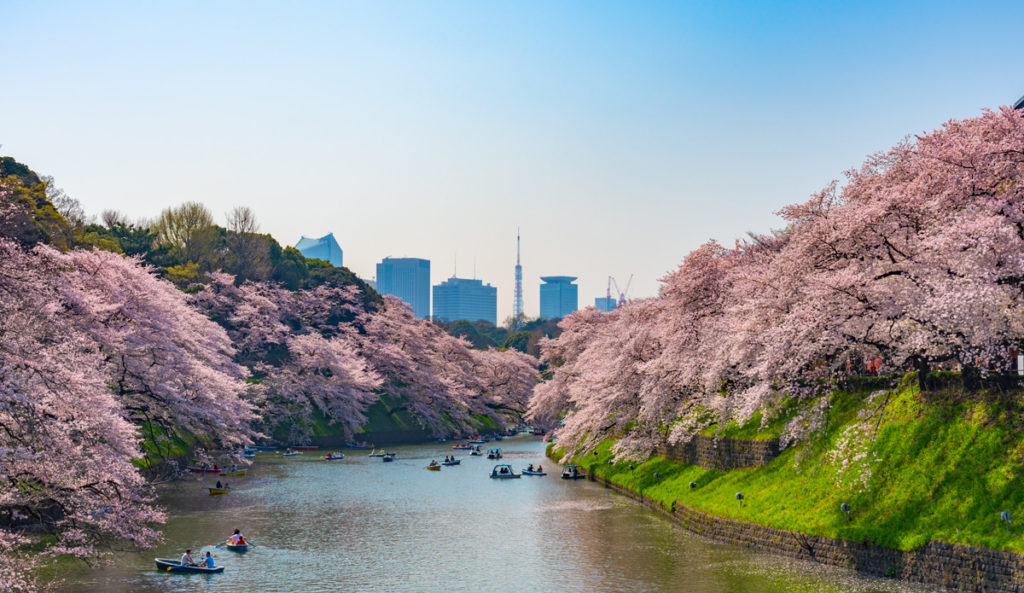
183, 244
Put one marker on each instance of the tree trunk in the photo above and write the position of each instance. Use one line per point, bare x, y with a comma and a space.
971, 377
921, 364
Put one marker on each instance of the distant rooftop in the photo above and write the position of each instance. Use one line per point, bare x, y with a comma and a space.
325, 248
559, 279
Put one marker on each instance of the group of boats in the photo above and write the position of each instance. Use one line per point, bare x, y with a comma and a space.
385, 456
235, 544
500, 471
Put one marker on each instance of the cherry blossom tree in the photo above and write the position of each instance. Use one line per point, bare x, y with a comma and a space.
65, 444
917, 259
171, 366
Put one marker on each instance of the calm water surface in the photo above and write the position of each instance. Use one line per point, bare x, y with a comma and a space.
365, 526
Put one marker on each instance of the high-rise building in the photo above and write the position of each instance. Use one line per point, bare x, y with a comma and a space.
408, 278
465, 298
558, 296
605, 304
325, 248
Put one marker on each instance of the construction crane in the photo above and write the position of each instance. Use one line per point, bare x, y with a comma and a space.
622, 293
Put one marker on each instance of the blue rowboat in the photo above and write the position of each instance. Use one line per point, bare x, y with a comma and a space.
503, 471
171, 565
237, 548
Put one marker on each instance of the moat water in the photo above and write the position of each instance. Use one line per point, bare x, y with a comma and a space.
361, 525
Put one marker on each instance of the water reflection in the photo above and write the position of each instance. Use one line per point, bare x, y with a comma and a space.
363, 525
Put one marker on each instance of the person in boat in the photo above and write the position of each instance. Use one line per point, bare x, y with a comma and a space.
218, 484
186, 559
208, 561
236, 539
227, 486
504, 470
540, 469
433, 462
530, 469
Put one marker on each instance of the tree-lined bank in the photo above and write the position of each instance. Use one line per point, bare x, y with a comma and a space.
106, 365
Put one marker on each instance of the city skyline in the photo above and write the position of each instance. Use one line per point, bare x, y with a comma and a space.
619, 138
388, 264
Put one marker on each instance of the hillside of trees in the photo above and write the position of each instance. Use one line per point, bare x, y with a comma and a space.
119, 340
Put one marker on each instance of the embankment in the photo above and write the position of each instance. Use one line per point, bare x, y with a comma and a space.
896, 485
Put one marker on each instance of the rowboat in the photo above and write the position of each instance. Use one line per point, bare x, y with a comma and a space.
465, 447
479, 441
332, 457
236, 473
503, 471
290, 454
237, 548
475, 451
530, 472
360, 445
572, 472
170, 565
494, 453
388, 457
452, 462
215, 491
434, 467
375, 453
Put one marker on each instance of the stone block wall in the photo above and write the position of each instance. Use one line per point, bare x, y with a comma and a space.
722, 454
949, 566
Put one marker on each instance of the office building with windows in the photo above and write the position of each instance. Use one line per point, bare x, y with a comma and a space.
407, 278
464, 298
558, 296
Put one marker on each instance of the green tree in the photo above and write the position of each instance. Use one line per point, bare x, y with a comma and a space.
518, 341
190, 233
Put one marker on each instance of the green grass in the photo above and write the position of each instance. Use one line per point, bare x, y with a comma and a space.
944, 471
750, 430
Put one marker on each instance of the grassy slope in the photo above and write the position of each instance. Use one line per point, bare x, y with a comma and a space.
165, 447
940, 470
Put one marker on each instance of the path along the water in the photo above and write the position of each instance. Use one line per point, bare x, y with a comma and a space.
362, 525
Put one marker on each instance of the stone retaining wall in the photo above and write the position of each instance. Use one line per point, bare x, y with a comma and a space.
950, 566
722, 454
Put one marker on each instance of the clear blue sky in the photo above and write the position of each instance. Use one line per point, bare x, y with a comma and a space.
618, 136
